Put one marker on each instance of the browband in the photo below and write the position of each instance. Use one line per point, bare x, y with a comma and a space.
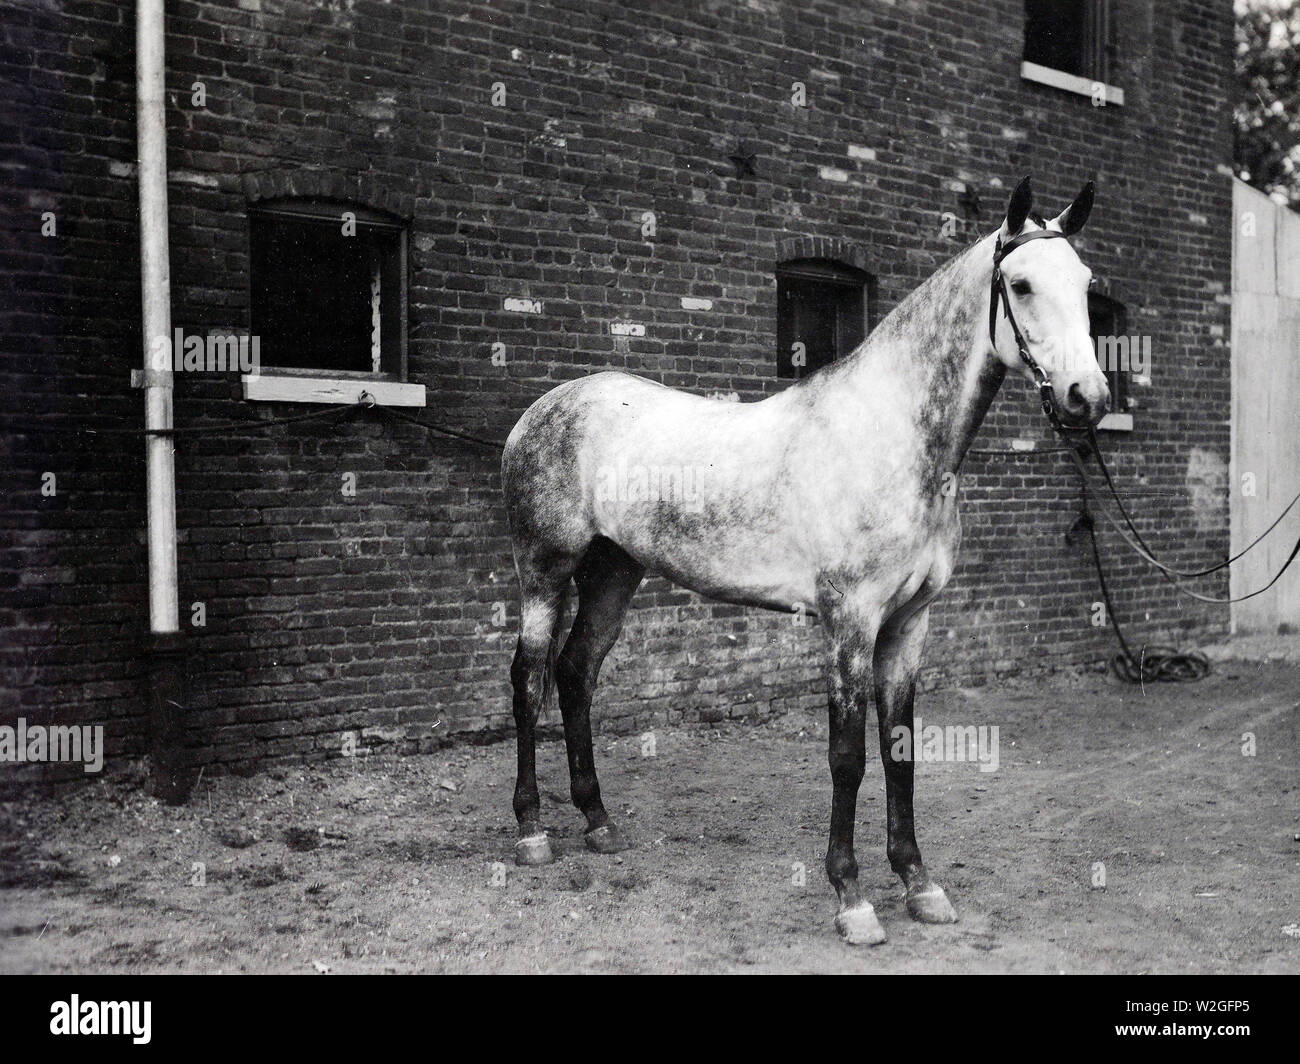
1001, 251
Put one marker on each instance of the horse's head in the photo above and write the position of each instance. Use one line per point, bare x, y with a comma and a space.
1047, 289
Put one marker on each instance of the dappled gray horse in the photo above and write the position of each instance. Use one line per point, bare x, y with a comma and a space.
834, 497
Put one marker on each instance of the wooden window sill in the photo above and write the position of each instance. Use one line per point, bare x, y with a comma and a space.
273, 388
1059, 79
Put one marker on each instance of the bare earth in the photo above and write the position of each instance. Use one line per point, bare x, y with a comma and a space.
377, 865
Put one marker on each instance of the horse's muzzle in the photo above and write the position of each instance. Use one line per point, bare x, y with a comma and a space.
1085, 404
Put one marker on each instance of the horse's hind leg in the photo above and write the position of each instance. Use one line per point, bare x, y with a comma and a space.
848, 678
897, 658
542, 592
607, 578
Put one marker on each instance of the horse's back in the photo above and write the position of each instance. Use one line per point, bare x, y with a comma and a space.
601, 409
613, 418
610, 395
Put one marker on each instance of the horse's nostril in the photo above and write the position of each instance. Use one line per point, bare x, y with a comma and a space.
1074, 399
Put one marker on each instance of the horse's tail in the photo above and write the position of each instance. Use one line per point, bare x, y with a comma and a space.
552, 655
536, 654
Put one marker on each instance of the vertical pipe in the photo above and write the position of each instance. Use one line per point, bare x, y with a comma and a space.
376, 284
167, 672
155, 287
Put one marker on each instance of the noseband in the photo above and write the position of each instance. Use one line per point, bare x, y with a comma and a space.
999, 291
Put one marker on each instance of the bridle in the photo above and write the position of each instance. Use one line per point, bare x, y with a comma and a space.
999, 290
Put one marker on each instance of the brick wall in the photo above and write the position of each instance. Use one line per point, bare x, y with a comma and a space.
376, 613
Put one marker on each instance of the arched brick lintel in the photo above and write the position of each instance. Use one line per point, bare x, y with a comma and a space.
328, 185
823, 247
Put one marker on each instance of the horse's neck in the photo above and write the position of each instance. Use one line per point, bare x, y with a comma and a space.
934, 345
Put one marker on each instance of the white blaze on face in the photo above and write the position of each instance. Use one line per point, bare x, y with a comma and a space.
1047, 286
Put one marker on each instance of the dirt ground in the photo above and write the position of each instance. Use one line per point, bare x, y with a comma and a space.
390, 864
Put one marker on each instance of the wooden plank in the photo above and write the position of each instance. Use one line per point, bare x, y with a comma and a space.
1288, 253
277, 389
1253, 240
1265, 426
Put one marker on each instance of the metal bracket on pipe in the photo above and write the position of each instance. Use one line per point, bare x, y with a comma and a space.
151, 378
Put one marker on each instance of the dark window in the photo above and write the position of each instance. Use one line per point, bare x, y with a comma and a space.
328, 290
822, 314
1116, 351
1068, 35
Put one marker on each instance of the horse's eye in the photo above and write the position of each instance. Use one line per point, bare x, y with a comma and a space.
1021, 288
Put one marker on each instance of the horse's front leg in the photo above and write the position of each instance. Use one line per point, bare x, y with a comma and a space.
848, 681
897, 659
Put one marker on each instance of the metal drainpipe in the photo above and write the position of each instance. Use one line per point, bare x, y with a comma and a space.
166, 652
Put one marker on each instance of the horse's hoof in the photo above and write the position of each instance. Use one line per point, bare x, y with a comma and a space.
605, 839
534, 850
931, 906
859, 927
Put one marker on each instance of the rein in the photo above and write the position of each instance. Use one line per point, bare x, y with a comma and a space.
1133, 538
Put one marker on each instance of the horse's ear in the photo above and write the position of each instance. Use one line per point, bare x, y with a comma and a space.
1018, 209
1072, 218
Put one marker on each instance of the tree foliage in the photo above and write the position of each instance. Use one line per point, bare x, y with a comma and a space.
1266, 151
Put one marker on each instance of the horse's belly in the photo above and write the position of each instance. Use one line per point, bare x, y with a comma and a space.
732, 557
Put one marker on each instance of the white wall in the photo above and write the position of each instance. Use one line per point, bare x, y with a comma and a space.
1265, 403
